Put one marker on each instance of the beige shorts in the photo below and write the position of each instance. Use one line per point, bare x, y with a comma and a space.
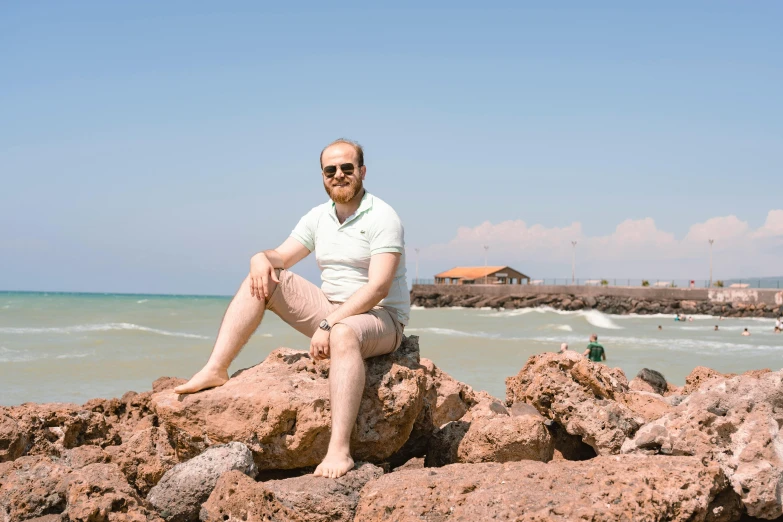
303, 305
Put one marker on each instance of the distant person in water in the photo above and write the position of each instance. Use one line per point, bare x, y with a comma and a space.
563, 347
595, 352
746, 332
690, 319
660, 327
778, 325
716, 327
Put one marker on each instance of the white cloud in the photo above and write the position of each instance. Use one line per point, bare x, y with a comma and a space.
636, 248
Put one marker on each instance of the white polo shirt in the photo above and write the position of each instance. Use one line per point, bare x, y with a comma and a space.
343, 251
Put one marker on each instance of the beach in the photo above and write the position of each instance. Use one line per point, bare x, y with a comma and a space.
74, 347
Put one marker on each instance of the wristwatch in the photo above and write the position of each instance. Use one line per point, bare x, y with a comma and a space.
324, 325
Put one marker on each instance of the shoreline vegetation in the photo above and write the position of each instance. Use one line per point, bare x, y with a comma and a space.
572, 439
617, 305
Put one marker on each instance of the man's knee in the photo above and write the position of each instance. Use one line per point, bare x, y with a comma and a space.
342, 339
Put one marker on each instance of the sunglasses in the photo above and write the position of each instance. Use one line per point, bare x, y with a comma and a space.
331, 170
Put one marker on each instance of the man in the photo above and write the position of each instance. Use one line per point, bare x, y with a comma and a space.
745, 332
595, 352
563, 347
778, 325
359, 311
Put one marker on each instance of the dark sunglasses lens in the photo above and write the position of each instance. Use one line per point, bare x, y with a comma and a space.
330, 171
347, 168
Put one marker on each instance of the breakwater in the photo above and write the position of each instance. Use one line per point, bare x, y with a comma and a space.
727, 302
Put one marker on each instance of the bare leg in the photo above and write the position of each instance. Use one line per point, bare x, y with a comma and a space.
346, 385
242, 317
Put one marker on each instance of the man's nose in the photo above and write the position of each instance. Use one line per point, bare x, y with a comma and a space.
339, 173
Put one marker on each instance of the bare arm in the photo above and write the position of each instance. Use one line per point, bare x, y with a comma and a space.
263, 265
380, 278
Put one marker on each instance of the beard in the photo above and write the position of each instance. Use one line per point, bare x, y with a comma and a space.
346, 193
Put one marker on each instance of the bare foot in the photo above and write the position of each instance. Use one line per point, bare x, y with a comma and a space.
334, 466
204, 379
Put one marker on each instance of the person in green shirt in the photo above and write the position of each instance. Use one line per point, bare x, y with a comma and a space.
595, 352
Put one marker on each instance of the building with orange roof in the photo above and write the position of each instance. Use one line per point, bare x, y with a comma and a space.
481, 275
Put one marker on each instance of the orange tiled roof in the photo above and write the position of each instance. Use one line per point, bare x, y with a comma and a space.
470, 272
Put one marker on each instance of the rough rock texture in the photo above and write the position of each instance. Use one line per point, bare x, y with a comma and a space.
301, 499
144, 458
700, 375
612, 488
36, 486
736, 422
100, 493
12, 438
490, 433
578, 394
280, 409
186, 486
655, 379
645, 405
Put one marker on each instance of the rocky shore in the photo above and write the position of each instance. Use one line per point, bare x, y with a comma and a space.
607, 304
572, 440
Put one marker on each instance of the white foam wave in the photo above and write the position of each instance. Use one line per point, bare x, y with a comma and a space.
565, 328
140, 301
106, 327
74, 355
459, 333
693, 346
267, 335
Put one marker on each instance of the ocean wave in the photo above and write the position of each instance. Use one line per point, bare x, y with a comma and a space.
459, 333
74, 355
594, 317
697, 346
140, 301
564, 327
106, 327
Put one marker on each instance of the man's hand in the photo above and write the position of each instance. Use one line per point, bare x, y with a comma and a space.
319, 345
261, 273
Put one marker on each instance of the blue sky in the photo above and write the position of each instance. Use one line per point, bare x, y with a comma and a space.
153, 147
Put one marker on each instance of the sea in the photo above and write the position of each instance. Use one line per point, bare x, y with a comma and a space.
66, 347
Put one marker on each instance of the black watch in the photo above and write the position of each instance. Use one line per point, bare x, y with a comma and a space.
324, 325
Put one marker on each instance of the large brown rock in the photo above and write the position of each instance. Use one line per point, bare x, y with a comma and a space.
578, 394
53, 428
735, 421
237, 497
700, 375
12, 438
144, 458
280, 409
100, 493
612, 488
490, 433
32, 487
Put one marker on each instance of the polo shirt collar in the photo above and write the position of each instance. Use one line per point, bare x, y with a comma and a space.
364, 205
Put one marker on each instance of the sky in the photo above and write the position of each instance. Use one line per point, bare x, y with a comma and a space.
153, 147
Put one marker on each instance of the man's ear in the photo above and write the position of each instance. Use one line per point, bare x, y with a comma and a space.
363, 170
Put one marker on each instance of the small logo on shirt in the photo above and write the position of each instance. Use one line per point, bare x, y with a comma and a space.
362, 231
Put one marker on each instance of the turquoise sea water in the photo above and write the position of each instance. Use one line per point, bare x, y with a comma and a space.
73, 347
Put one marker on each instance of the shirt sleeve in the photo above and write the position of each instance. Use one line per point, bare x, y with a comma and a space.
387, 234
304, 231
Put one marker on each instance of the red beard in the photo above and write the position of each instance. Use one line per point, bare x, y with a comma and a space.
346, 193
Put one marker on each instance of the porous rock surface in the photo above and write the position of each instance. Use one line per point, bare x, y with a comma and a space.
736, 422
280, 409
489, 432
611, 488
187, 485
236, 497
578, 394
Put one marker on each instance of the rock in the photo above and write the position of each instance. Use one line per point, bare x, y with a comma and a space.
688, 306
700, 375
183, 488
144, 458
100, 493
301, 499
590, 302
50, 429
655, 379
647, 405
579, 395
615, 488
280, 409
734, 421
489, 433
82, 456
639, 385
32, 487
12, 438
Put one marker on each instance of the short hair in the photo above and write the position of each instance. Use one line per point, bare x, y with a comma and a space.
594, 336
358, 148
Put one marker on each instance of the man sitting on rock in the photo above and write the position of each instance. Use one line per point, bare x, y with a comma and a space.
595, 351
359, 311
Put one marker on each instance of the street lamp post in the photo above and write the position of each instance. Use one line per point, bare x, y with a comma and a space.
573, 262
417, 265
711, 242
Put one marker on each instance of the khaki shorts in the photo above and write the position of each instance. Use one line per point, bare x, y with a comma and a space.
303, 305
